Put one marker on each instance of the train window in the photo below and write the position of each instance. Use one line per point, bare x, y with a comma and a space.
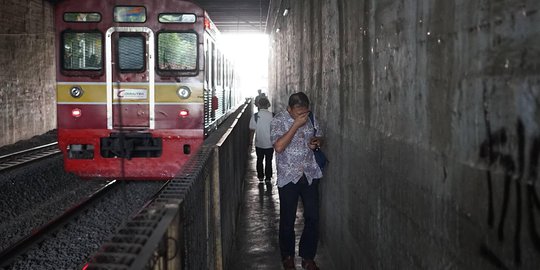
207, 62
177, 18
82, 17
177, 51
129, 14
224, 71
213, 65
226, 76
131, 53
207, 58
81, 50
219, 67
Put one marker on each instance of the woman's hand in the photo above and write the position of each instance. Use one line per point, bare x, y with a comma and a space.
314, 143
301, 119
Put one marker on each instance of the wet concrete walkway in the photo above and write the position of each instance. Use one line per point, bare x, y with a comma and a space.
257, 237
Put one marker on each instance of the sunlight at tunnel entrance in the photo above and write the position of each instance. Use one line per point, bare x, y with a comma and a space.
250, 55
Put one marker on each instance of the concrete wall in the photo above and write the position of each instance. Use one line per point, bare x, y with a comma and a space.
27, 78
431, 111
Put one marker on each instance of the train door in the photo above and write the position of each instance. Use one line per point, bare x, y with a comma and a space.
130, 78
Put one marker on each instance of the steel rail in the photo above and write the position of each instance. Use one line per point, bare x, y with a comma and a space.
25, 156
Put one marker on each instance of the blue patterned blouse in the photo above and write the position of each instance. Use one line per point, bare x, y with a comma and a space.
297, 158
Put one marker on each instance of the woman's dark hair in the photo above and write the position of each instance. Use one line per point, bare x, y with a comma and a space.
299, 99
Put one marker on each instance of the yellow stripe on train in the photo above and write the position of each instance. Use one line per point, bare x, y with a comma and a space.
97, 93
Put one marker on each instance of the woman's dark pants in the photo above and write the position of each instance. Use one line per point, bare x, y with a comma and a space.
288, 199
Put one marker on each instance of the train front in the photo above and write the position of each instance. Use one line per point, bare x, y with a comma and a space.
130, 87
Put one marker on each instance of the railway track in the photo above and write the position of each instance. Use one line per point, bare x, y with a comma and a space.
29, 155
39, 234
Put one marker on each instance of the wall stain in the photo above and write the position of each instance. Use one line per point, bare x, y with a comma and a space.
366, 64
494, 259
486, 151
343, 80
495, 150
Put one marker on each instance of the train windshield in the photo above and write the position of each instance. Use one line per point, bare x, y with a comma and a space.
177, 51
82, 50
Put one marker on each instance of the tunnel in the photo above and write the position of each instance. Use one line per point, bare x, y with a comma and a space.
429, 110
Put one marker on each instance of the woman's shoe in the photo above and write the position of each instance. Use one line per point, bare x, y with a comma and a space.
288, 263
309, 265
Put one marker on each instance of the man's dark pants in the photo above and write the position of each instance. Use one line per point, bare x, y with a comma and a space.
288, 199
266, 154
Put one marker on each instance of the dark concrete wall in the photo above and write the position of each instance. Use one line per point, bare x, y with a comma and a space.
431, 111
27, 78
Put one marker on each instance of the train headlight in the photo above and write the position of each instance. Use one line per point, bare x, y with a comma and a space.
183, 92
76, 112
76, 91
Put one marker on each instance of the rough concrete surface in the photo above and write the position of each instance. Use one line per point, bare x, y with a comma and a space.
27, 95
431, 113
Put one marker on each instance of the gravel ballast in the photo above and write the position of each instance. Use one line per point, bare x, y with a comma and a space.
76, 242
34, 194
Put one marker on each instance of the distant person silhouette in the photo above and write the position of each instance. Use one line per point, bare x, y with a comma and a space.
258, 98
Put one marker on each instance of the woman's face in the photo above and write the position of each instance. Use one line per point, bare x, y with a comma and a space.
297, 111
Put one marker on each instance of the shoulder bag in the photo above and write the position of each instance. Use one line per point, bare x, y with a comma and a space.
320, 157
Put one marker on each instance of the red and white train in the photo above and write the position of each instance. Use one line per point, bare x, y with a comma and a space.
140, 84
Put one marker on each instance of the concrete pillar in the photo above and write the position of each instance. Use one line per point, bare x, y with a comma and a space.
27, 78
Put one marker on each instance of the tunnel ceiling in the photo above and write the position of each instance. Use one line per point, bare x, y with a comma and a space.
242, 16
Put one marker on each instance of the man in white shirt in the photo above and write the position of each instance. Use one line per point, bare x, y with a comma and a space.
260, 126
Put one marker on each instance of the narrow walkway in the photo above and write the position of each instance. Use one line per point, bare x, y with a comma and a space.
257, 241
